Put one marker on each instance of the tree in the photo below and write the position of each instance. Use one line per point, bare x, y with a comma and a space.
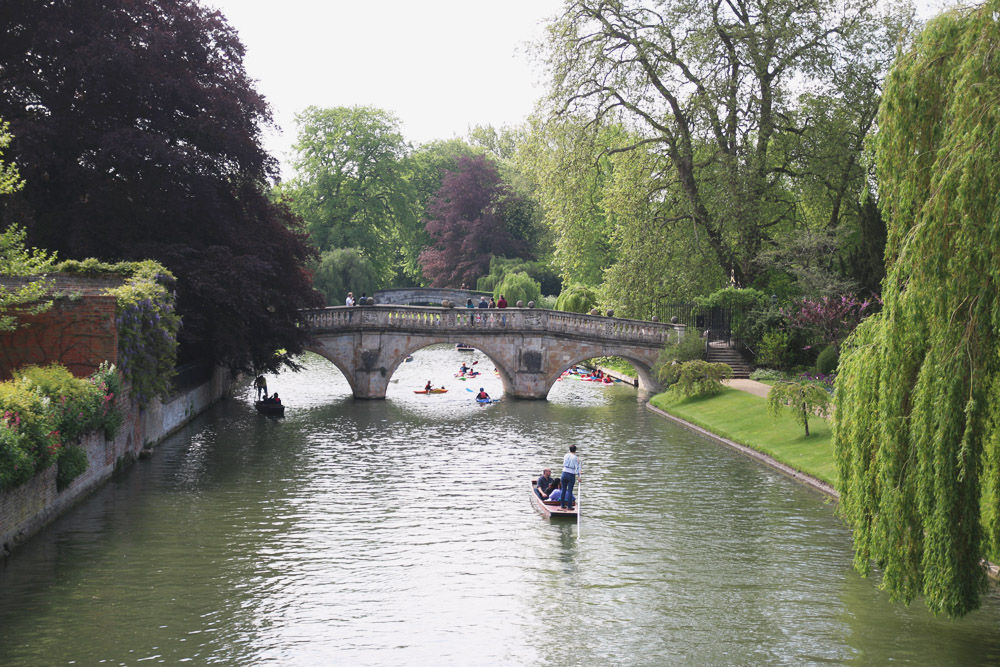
344, 270
711, 88
917, 420
16, 259
577, 299
350, 187
831, 318
138, 133
803, 398
695, 378
467, 224
518, 287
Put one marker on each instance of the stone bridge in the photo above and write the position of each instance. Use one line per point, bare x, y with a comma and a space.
530, 348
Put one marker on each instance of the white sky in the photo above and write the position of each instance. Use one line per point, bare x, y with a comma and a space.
442, 66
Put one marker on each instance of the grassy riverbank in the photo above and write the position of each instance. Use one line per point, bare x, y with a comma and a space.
743, 418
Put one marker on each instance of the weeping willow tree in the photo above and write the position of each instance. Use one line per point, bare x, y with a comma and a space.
917, 426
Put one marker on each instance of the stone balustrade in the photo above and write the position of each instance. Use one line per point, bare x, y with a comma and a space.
484, 321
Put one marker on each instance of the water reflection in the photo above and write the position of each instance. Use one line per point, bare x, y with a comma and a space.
400, 532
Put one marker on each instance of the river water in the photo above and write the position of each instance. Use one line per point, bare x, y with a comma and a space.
400, 532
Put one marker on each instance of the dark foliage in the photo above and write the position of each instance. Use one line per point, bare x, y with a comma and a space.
468, 224
138, 133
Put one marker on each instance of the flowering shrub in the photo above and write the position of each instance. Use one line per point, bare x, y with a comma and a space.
42, 409
831, 318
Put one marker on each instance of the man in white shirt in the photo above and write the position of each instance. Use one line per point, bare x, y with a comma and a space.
570, 473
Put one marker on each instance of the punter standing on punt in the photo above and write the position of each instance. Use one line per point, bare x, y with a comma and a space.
570, 473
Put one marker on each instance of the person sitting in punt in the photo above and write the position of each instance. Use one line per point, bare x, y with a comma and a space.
427, 387
482, 395
555, 491
544, 484
273, 399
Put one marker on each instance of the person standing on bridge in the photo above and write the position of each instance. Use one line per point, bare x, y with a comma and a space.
349, 301
482, 302
570, 473
502, 303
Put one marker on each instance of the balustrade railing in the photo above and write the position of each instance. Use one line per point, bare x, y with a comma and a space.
481, 319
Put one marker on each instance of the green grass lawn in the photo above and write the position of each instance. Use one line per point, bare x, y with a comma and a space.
743, 418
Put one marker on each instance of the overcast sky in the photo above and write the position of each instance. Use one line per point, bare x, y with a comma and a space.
442, 66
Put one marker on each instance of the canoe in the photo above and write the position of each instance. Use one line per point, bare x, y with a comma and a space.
432, 391
551, 509
272, 409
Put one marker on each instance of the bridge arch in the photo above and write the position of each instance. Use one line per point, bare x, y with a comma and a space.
647, 379
418, 345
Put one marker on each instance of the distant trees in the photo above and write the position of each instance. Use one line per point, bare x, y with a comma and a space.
138, 134
467, 224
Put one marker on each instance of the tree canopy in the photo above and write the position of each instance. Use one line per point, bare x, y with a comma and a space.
352, 187
917, 420
747, 119
138, 134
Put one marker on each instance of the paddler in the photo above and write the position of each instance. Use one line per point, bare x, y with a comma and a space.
482, 395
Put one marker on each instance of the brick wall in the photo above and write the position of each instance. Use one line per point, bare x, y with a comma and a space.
78, 332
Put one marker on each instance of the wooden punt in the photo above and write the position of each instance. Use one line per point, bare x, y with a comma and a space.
272, 409
551, 509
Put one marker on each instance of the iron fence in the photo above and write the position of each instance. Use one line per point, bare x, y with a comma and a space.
727, 325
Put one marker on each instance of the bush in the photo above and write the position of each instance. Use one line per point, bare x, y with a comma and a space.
777, 350
74, 402
687, 347
695, 379
826, 362
734, 297
577, 299
17, 462
72, 464
29, 414
765, 374
46, 406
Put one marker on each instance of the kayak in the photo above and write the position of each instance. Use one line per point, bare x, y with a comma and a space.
432, 391
487, 401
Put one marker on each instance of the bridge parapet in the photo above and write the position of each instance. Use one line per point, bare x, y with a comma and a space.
481, 320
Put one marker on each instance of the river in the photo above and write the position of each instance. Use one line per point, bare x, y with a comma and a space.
400, 532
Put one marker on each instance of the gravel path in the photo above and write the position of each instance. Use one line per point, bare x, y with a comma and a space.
749, 386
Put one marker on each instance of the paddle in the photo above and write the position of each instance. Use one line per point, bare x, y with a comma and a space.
578, 506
